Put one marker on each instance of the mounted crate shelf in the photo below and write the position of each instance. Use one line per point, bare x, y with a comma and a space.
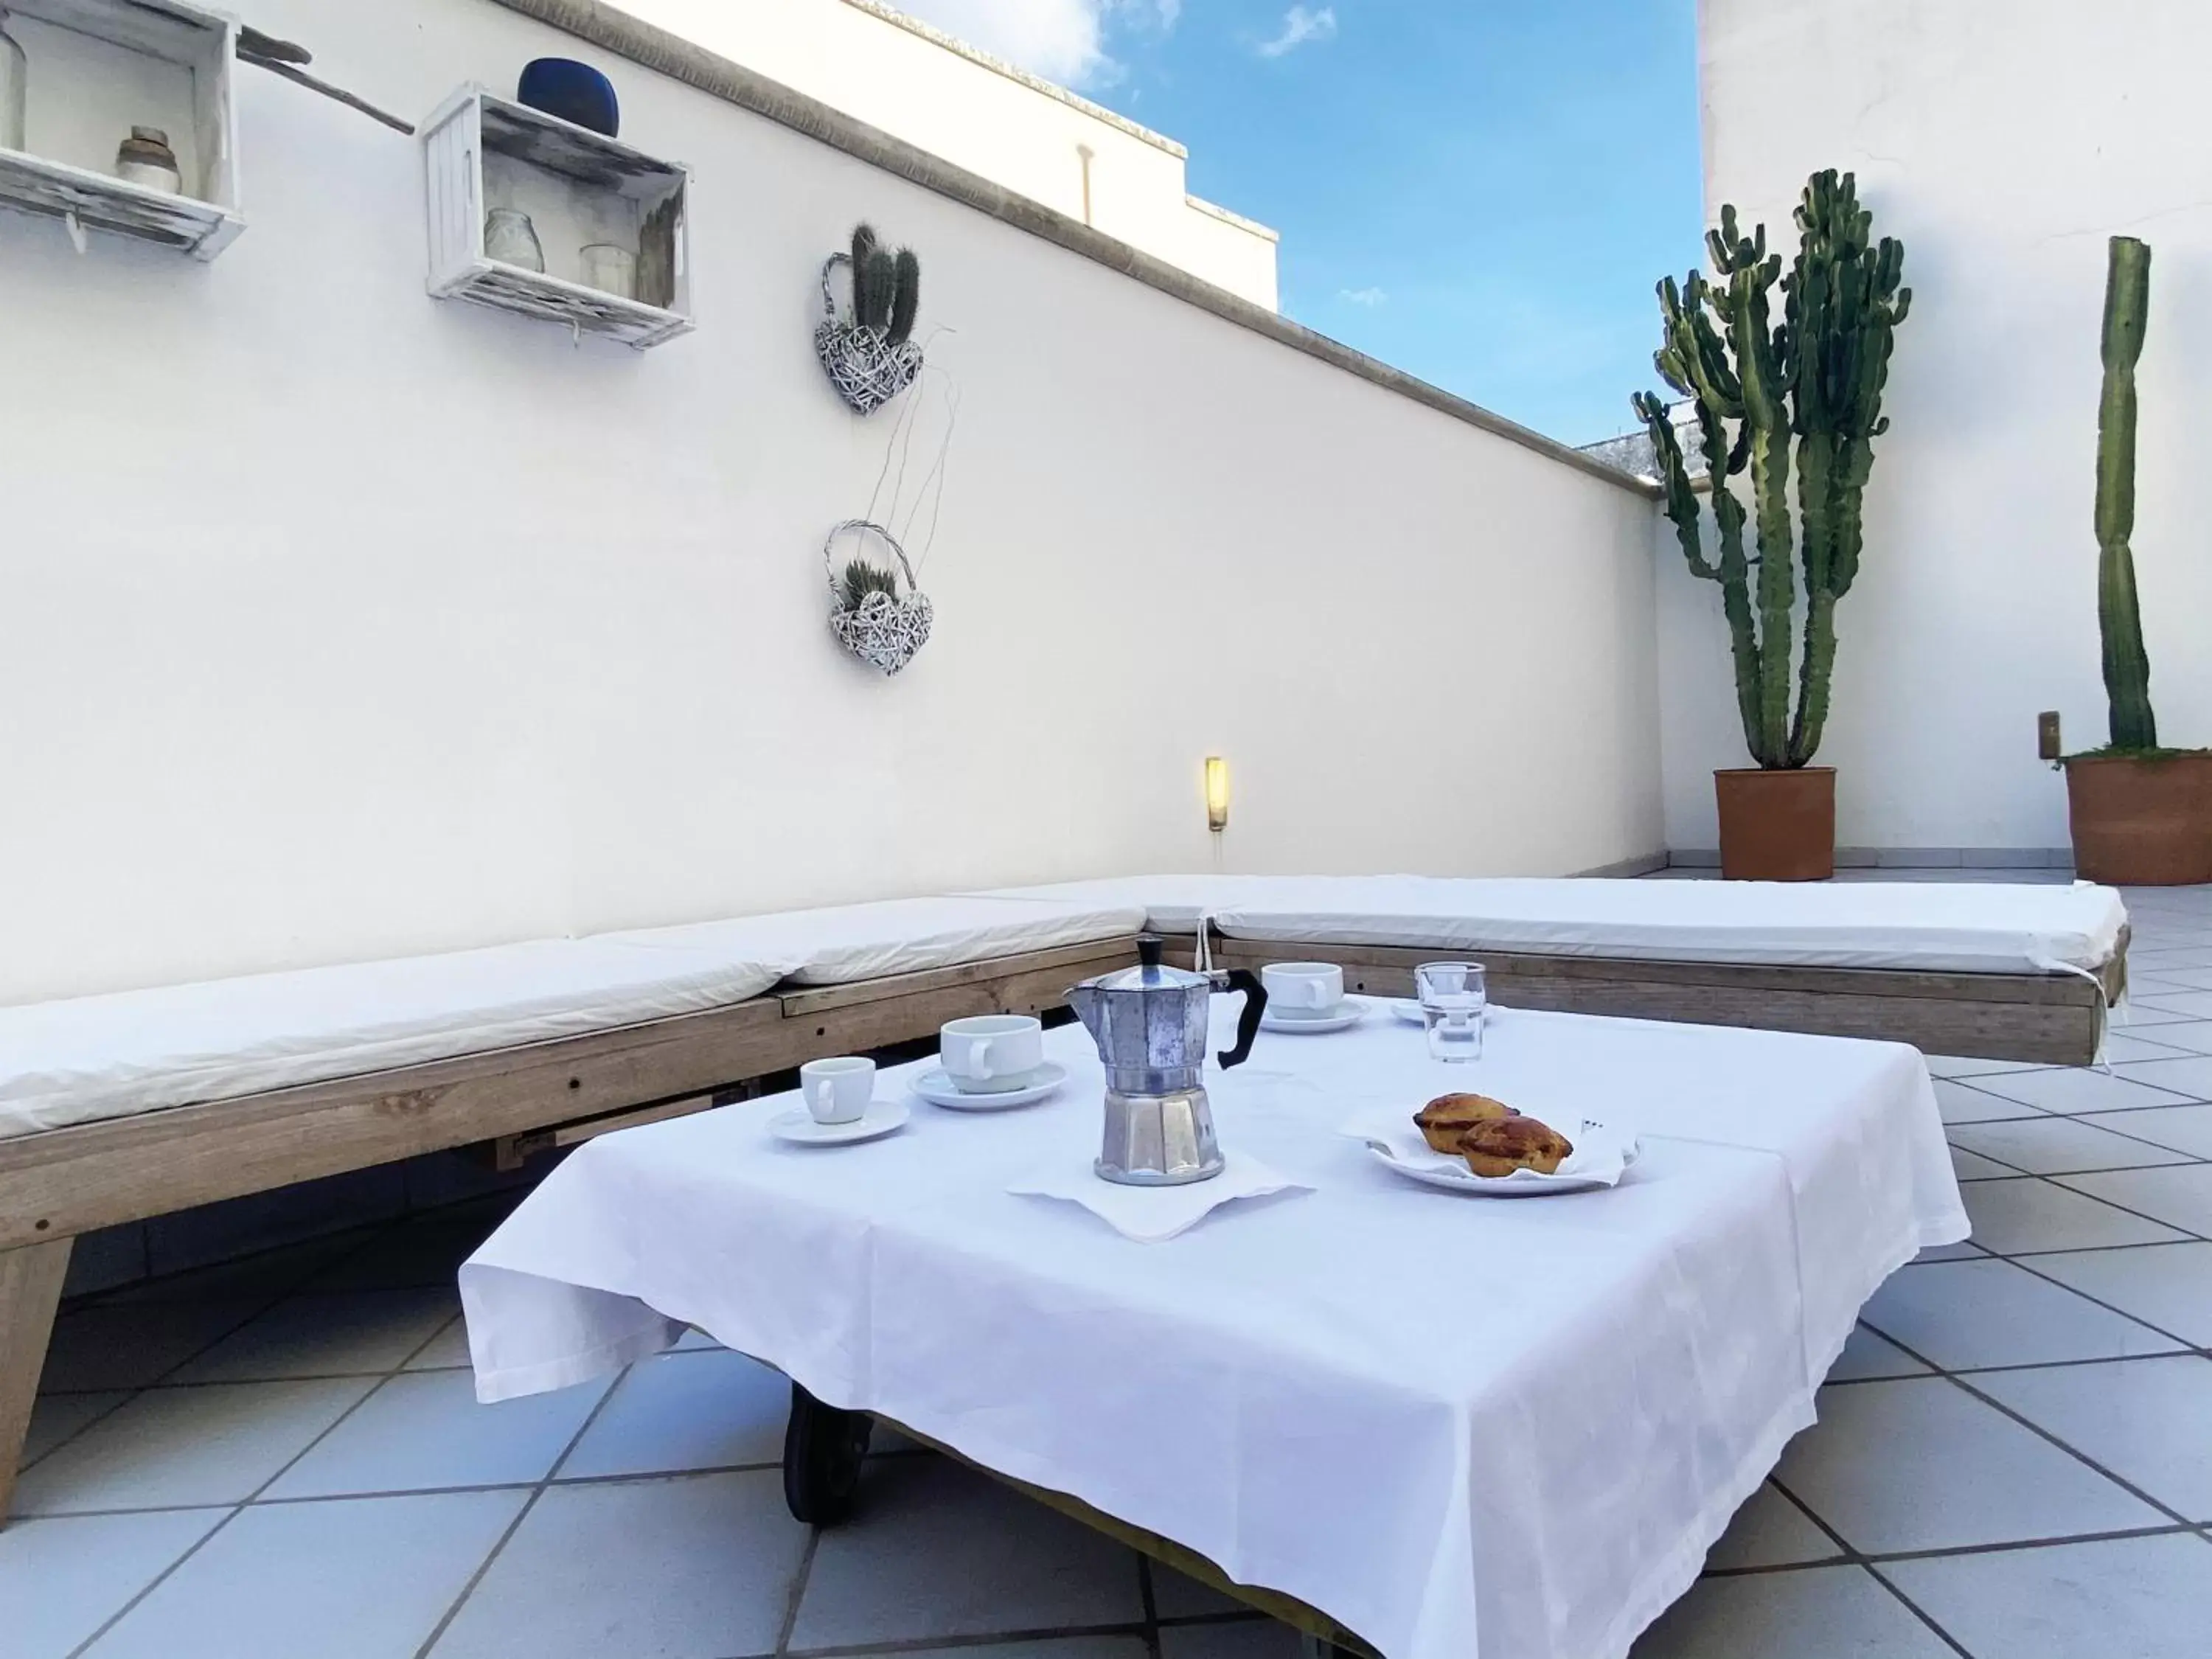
483, 154
92, 70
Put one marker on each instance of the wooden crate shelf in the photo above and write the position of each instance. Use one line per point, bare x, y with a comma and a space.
483, 152
97, 68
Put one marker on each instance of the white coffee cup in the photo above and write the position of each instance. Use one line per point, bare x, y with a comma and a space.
991, 1054
838, 1091
1303, 989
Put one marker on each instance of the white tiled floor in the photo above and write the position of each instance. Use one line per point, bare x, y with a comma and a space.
283, 1456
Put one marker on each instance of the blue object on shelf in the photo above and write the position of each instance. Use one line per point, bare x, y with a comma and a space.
574, 92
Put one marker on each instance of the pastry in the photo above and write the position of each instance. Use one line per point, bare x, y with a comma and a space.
1499, 1146
1446, 1118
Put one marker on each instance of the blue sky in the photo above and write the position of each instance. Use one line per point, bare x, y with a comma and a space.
1482, 192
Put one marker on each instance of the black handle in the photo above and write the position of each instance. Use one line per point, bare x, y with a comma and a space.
1248, 1022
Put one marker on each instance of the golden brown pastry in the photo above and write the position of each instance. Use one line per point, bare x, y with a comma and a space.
1501, 1145
1446, 1118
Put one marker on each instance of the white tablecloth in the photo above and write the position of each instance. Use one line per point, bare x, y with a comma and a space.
1466, 1429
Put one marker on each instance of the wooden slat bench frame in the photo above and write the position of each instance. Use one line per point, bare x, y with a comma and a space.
2051, 1019
58, 1184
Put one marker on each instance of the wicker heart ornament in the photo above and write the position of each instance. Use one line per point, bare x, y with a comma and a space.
870, 616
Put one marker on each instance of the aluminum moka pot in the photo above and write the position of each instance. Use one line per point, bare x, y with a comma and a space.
1149, 1023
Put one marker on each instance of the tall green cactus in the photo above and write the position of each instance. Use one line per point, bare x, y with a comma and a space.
1755, 385
2127, 667
886, 287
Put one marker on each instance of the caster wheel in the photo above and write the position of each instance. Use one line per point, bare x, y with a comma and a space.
822, 1448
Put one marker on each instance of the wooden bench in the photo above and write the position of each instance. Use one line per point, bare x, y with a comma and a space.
58, 1184
2049, 1019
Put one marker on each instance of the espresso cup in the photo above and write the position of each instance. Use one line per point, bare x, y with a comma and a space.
991, 1054
1303, 989
838, 1091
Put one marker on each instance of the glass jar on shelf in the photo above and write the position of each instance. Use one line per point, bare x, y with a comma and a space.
511, 239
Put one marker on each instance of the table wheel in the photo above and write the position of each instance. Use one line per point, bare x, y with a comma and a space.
823, 1449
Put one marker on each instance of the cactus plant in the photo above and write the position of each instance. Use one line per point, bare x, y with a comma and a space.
858, 579
886, 287
906, 295
2127, 667
1756, 385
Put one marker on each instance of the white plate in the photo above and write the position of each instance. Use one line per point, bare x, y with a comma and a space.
938, 1090
1603, 1155
1346, 1016
798, 1126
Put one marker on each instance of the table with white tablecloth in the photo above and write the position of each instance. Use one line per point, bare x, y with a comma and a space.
1457, 1426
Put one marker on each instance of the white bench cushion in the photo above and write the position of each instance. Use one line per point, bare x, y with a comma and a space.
138, 1051
853, 942
90, 1058
1932, 926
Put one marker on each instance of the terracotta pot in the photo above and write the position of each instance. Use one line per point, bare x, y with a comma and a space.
1777, 826
2140, 822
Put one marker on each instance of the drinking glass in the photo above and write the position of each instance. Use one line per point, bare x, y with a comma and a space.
1452, 998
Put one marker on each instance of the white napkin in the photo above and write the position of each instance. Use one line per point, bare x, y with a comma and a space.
1152, 1215
1601, 1152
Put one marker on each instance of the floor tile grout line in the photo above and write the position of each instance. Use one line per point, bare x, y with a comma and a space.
1916, 1610
157, 1581
2178, 1161
537, 1490
1848, 1556
2188, 1235
796, 1597
2079, 1249
327, 1430
2028, 1267
2179, 1154
96, 1418
2182, 1352
2040, 1432
1852, 1556
2060, 1541
638, 1477
2140, 1215
159, 1378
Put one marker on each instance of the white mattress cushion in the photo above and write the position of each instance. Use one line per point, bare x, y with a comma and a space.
89, 1058
1931, 926
846, 943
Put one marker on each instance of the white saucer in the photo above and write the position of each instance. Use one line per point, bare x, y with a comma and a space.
934, 1087
1348, 1014
798, 1126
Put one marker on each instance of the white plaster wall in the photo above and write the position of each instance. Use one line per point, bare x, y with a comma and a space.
2004, 141
906, 82
337, 621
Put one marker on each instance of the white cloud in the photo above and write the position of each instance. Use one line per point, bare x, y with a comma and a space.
1300, 25
1369, 297
1063, 40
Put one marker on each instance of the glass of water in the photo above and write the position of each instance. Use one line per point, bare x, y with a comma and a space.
1452, 998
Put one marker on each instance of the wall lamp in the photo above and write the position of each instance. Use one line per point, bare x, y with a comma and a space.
1217, 794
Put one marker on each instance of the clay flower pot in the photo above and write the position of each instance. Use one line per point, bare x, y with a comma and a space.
2140, 820
1778, 826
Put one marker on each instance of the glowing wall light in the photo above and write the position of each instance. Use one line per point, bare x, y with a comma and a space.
1217, 794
